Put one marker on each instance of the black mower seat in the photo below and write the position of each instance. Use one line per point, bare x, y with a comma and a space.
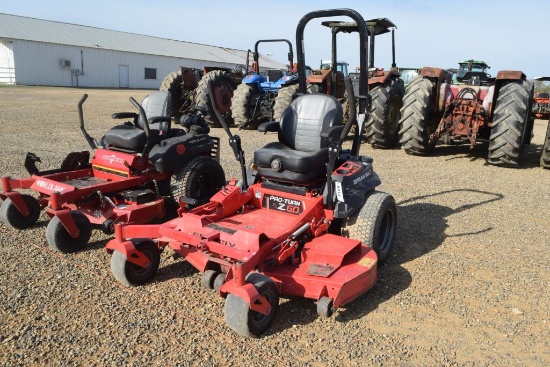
301, 153
132, 136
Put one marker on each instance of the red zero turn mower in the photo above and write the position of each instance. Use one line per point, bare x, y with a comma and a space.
133, 168
311, 224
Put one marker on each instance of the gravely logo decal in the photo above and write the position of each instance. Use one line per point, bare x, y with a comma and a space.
49, 186
112, 158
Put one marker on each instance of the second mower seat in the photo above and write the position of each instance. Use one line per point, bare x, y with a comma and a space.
307, 127
131, 135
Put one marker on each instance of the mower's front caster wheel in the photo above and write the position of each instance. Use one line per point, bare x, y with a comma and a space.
131, 274
59, 238
324, 307
245, 321
218, 281
208, 278
374, 224
13, 217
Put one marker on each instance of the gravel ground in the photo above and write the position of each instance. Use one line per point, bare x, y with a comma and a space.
467, 285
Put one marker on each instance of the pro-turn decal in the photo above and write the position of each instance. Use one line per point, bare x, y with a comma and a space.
279, 203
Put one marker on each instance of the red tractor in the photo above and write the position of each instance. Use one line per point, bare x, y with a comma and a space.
188, 89
132, 170
541, 101
310, 224
476, 108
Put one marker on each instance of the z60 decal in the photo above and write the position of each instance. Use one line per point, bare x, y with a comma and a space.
286, 205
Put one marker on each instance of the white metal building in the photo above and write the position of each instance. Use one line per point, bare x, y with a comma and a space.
42, 52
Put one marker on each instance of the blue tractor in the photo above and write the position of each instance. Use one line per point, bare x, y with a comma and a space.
254, 98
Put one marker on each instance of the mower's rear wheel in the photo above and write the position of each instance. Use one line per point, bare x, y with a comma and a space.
545, 157
131, 274
382, 126
324, 307
223, 85
10, 215
284, 98
374, 224
243, 104
415, 127
200, 178
61, 241
510, 121
245, 321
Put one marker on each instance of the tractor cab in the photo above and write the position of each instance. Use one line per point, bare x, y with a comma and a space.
473, 72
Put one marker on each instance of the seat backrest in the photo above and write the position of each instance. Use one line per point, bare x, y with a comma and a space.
157, 103
274, 75
302, 122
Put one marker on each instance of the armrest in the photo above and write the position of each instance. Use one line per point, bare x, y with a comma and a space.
157, 119
124, 115
332, 133
269, 126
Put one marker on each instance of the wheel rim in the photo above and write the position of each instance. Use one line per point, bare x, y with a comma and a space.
223, 93
205, 186
137, 271
259, 318
387, 231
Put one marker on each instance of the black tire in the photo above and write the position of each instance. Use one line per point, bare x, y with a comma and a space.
324, 307
173, 83
241, 318
375, 224
415, 127
284, 98
382, 126
510, 121
219, 280
243, 104
61, 241
208, 277
224, 86
545, 157
200, 178
131, 274
10, 215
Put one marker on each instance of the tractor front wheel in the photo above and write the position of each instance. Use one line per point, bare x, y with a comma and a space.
223, 85
245, 321
10, 215
131, 274
382, 126
284, 98
415, 131
375, 224
243, 104
510, 121
59, 238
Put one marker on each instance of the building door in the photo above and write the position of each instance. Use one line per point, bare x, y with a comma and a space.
7, 69
123, 76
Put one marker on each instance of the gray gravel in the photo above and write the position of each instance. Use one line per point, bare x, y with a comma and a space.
468, 284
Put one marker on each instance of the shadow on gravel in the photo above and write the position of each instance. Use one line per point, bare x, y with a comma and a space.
422, 226
175, 269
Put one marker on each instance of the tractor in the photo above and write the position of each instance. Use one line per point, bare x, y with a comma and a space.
477, 107
188, 90
541, 101
311, 223
254, 98
408, 74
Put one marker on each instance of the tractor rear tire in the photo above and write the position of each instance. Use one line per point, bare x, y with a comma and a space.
284, 98
545, 157
173, 83
10, 215
243, 103
131, 274
200, 178
510, 121
245, 321
415, 127
224, 86
374, 224
382, 126
61, 241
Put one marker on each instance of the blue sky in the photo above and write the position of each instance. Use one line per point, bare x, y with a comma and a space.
508, 35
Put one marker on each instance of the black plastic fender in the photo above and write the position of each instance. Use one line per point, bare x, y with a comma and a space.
172, 153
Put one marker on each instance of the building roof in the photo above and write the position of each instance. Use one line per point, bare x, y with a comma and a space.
39, 30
